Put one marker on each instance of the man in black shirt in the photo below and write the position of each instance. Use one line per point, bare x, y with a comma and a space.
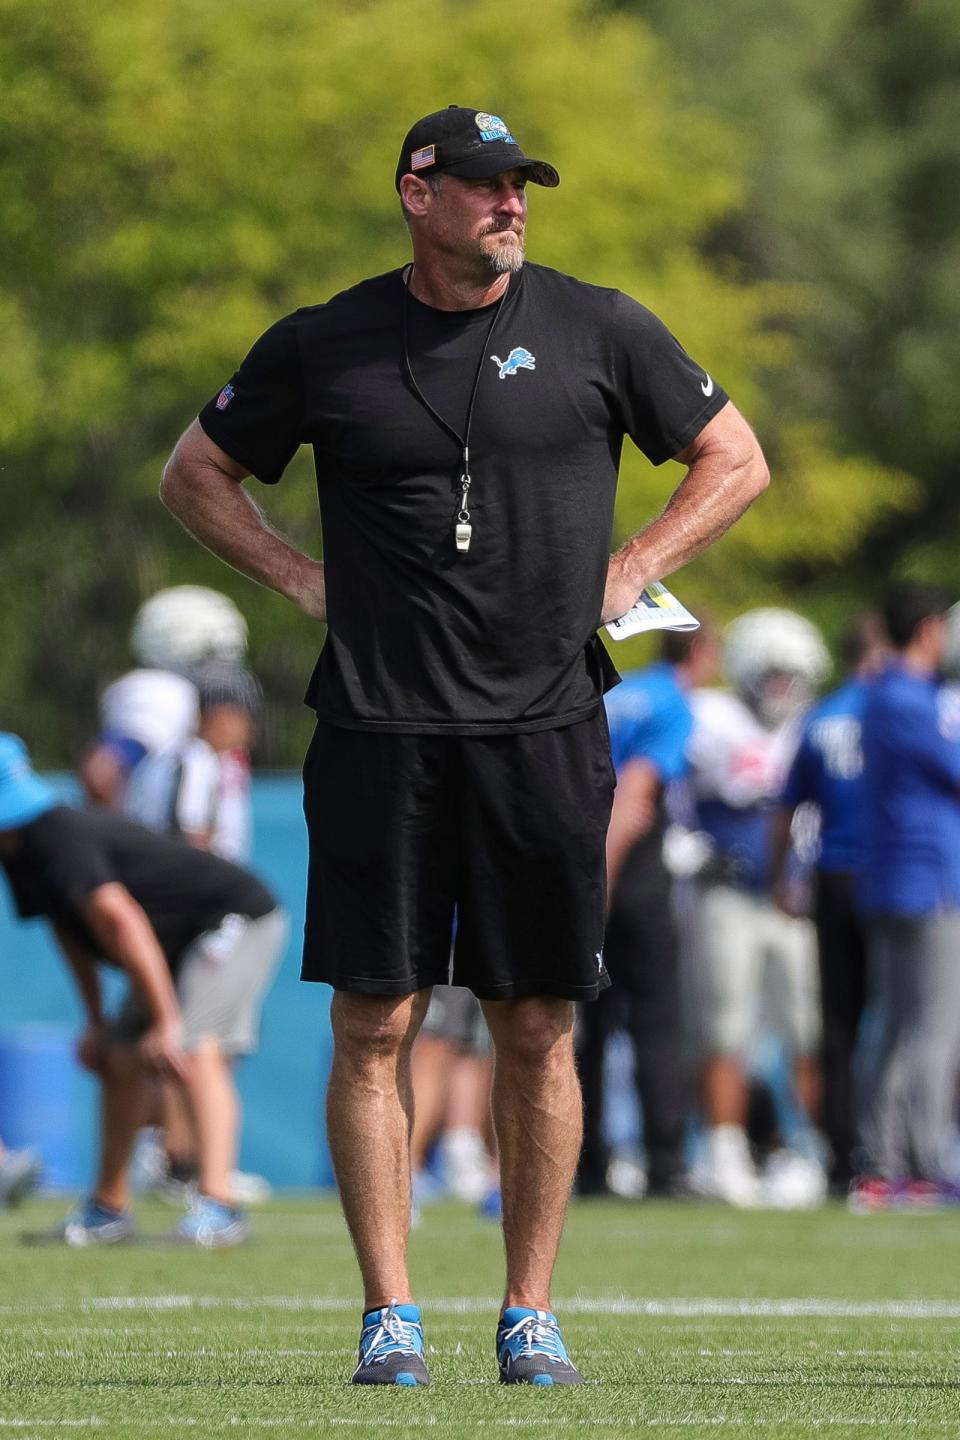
199, 939
467, 414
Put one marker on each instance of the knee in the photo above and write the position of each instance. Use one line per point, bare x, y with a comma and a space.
372, 1029
536, 1032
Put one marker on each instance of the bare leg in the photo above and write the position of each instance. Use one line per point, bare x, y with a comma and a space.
369, 1123
179, 1131
808, 1086
469, 1100
539, 1127
121, 1108
215, 1107
724, 1091
432, 1061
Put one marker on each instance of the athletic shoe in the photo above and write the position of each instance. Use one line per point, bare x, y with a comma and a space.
728, 1172
792, 1181
20, 1172
90, 1223
626, 1178
464, 1164
868, 1194
530, 1349
213, 1225
919, 1195
391, 1347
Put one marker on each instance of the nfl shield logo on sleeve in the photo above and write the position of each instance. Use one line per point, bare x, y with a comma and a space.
225, 396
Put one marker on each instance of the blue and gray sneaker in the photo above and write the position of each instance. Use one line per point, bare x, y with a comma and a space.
90, 1223
391, 1347
530, 1349
212, 1224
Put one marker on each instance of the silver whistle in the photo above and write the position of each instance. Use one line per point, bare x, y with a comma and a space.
464, 530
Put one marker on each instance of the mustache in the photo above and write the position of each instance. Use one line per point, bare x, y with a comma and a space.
503, 227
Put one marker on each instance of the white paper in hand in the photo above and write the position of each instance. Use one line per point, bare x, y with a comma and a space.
656, 609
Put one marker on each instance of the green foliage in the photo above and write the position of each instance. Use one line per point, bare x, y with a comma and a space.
848, 112
174, 177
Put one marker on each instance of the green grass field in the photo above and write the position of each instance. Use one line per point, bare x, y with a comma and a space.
684, 1320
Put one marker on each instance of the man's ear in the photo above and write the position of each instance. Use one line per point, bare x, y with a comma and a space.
415, 194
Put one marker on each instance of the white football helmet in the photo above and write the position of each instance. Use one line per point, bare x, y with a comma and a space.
774, 659
186, 625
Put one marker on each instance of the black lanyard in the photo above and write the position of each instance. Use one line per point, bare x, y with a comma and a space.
463, 530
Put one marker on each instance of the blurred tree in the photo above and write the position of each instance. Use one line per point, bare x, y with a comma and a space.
849, 115
174, 177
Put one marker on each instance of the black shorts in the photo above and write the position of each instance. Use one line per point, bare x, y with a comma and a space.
505, 831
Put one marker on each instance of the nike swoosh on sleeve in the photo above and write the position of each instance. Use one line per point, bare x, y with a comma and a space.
707, 386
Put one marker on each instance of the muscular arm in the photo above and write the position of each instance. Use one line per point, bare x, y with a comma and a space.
202, 487
83, 967
634, 808
126, 937
91, 1047
726, 473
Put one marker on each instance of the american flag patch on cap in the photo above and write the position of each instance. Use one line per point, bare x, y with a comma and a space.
225, 396
420, 159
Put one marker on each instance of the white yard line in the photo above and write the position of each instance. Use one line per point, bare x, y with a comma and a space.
704, 1308
668, 1307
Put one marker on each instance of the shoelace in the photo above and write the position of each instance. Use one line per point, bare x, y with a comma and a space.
540, 1338
401, 1336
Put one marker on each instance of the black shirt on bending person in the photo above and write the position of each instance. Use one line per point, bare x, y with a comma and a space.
66, 854
423, 637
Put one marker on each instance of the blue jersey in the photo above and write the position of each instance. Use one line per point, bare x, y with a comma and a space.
650, 719
827, 771
911, 787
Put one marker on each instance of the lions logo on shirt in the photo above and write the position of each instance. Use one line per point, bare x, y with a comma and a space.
518, 359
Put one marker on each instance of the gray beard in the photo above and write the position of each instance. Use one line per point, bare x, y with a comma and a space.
505, 259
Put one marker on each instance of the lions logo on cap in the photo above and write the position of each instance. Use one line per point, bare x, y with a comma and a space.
491, 127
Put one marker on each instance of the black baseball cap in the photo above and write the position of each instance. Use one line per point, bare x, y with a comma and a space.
470, 143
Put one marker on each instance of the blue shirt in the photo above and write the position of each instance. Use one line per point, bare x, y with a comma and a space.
650, 719
911, 787
827, 771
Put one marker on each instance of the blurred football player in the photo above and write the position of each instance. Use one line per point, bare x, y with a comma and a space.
156, 704
827, 772
198, 938
199, 785
749, 950
909, 891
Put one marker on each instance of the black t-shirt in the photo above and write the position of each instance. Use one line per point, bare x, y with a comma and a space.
67, 854
422, 637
